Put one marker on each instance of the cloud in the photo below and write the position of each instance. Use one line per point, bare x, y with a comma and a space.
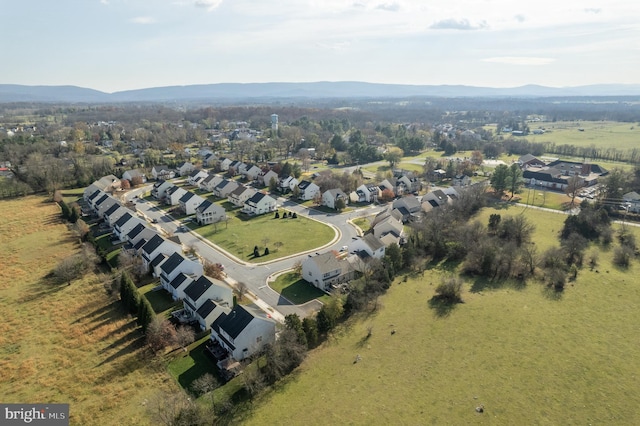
457, 24
339, 46
104, 1
208, 4
144, 20
520, 18
389, 7
593, 10
519, 60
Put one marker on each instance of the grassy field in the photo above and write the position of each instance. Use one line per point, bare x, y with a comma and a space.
242, 233
297, 290
528, 356
67, 344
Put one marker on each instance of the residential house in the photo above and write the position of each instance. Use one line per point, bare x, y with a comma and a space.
632, 201
185, 168
98, 201
243, 332
176, 264
240, 195
189, 202
207, 213
162, 172
461, 180
331, 196
137, 174
259, 203
326, 270
196, 176
105, 206
124, 225
160, 188
409, 206
93, 196
114, 213
155, 246
210, 182
209, 160
108, 183
177, 286
367, 246
308, 190
367, 193
388, 222
174, 194
208, 312
224, 188
252, 172
202, 290
391, 185
141, 232
224, 163
438, 198
287, 184
267, 176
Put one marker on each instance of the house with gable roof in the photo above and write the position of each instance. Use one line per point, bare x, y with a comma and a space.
124, 225
327, 269
241, 194
308, 190
208, 212
210, 182
224, 188
252, 172
173, 195
185, 168
265, 177
331, 196
155, 246
162, 172
189, 202
367, 246
114, 213
409, 206
108, 183
243, 332
176, 264
196, 176
259, 203
130, 175
160, 188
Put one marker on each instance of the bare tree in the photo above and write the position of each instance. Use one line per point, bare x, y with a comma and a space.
184, 336
160, 334
241, 289
574, 185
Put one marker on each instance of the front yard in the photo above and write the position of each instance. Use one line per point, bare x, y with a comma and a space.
297, 290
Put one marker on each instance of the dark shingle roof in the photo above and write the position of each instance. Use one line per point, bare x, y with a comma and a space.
135, 231
177, 281
139, 244
101, 200
257, 197
236, 321
172, 263
204, 206
124, 219
153, 244
94, 195
112, 209
206, 308
158, 260
186, 197
198, 288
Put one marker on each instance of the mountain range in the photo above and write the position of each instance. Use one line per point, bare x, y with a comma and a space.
226, 92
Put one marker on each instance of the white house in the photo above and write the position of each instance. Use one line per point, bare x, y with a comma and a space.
387, 222
287, 184
308, 190
243, 332
177, 286
155, 246
160, 188
224, 188
173, 195
461, 180
207, 213
208, 312
240, 195
266, 177
108, 183
189, 202
175, 264
367, 246
130, 175
185, 168
367, 193
162, 172
409, 207
224, 163
331, 196
252, 172
327, 269
196, 176
259, 203
112, 215
210, 182
105, 205
125, 224
201, 290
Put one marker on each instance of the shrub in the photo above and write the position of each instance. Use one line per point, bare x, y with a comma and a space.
622, 256
450, 289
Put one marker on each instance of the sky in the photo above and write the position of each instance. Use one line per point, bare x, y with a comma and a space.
113, 45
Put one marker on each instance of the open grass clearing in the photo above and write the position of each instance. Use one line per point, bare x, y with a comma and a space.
528, 356
242, 233
66, 344
297, 290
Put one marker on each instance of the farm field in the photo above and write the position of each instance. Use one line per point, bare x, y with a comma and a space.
66, 344
529, 356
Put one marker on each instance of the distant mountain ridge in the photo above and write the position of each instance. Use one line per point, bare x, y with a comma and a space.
315, 90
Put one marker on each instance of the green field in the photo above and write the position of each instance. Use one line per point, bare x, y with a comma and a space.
242, 233
527, 355
66, 344
600, 133
297, 290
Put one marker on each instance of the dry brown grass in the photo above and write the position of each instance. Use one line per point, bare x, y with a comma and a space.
62, 343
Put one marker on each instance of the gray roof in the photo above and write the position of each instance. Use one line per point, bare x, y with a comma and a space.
172, 263
198, 288
153, 244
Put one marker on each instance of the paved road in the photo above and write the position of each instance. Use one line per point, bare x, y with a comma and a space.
257, 276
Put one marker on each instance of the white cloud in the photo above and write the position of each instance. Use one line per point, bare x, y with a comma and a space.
389, 7
208, 4
144, 20
520, 18
457, 24
595, 10
519, 60
104, 1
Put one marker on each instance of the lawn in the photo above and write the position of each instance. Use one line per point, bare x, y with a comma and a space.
528, 356
297, 290
242, 233
600, 133
66, 344
363, 223
187, 366
160, 300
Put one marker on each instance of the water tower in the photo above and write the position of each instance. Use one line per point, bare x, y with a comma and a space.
274, 122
